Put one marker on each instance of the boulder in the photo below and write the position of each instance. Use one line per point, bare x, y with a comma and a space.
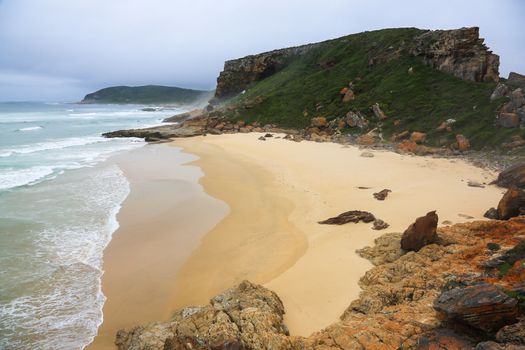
463, 143
319, 122
485, 306
379, 225
500, 91
513, 176
381, 195
492, 214
401, 136
443, 339
348, 96
353, 120
508, 120
420, 233
418, 137
349, 216
512, 334
511, 204
378, 112
407, 146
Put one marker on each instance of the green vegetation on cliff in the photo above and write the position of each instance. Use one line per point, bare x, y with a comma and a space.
414, 96
149, 94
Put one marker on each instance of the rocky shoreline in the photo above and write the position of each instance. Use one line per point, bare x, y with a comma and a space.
450, 294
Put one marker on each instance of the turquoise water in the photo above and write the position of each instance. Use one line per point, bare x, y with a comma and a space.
58, 203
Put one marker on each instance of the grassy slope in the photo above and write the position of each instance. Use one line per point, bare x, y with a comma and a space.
149, 94
421, 100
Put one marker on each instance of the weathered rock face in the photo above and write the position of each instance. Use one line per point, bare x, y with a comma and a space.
247, 316
421, 232
460, 52
485, 307
511, 204
238, 74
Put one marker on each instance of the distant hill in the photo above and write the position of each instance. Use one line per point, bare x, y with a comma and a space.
148, 94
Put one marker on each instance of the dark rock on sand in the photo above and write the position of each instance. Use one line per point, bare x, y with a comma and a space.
513, 176
492, 213
485, 307
421, 232
349, 216
511, 204
379, 225
381, 195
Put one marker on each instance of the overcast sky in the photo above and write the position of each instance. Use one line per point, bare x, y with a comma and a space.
59, 50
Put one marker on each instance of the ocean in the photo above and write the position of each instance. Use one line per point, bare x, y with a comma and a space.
58, 206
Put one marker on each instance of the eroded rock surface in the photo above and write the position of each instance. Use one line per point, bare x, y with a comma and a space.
421, 232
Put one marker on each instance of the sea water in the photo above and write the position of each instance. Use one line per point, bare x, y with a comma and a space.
58, 206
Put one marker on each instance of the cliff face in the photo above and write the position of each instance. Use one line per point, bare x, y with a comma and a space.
238, 74
459, 52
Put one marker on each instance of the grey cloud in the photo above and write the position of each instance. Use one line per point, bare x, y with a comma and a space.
96, 43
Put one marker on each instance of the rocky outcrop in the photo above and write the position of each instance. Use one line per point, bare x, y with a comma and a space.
460, 52
512, 113
394, 310
349, 216
485, 307
238, 74
421, 232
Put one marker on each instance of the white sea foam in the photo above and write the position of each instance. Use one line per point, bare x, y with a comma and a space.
52, 145
10, 178
30, 128
58, 311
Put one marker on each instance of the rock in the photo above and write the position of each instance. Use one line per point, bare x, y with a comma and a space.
381, 195
512, 334
463, 143
378, 112
421, 232
379, 225
484, 306
355, 121
511, 204
516, 78
407, 146
349, 216
247, 316
472, 183
444, 339
492, 213
418, 137
500, 91
400, 136
367, 154
508, 120
515, 142
348, 96
411, 70
459, 52
268, 135
513, 176
366, 139
447, 222
319, 122
262, 138
492, 345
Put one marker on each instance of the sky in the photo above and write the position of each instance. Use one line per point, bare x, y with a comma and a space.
60, 50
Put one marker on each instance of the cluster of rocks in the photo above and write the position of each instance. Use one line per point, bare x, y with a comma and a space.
512, 113
449, 294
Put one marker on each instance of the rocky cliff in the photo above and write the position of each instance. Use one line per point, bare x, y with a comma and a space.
461, 292
460, 52
238, 74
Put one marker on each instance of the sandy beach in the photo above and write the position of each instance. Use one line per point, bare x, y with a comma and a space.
161, 222
277, 191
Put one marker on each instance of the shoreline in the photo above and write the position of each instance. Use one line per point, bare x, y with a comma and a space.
160, 222
286, 187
